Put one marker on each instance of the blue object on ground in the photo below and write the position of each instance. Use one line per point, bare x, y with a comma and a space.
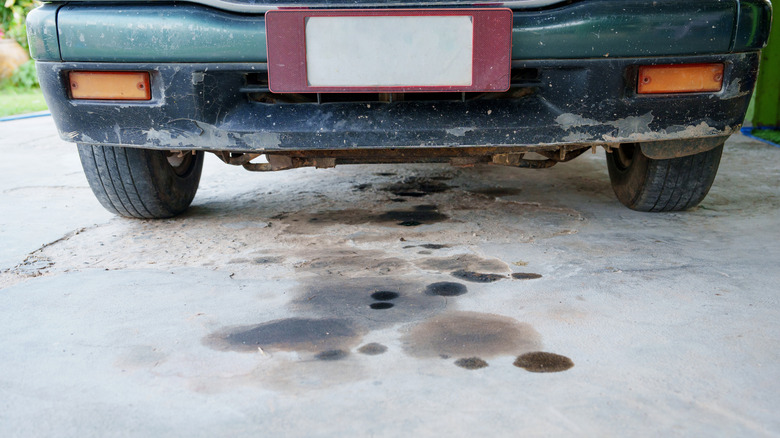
748, 132
25, 116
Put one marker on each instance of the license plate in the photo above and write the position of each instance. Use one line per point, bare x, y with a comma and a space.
388, 50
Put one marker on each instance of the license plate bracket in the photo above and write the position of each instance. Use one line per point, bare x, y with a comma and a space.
391, 50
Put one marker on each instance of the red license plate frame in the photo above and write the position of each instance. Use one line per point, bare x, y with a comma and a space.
286, 49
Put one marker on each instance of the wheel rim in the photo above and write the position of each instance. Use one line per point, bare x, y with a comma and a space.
181, 162
624, 156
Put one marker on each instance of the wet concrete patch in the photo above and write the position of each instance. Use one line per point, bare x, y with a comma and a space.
542, 362
372, 349
466, 262
470, 334
445, 289
471, 363
291, 334
477, 277
525, 276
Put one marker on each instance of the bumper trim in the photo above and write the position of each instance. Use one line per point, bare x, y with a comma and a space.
574, 102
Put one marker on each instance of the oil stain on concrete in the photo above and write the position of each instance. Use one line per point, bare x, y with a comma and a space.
471, 363
470, 334
525, 276
476, 277
290, 334
381, 306
313, 223
352, 263
416, 187
497, 192
330, 355
418, 215
372, 349
465, 262
373, 303
384, 295
542, 362
433, 246
445, 289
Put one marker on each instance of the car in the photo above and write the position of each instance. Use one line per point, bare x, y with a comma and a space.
147, 88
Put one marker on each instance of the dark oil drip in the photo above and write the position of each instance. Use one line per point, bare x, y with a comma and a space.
372, 349
469, 335
413, 217
542, 362
332, 355
471, 363
445, 289
433, 246
381, 305
476, 277
525, 276
385, 295
291, 334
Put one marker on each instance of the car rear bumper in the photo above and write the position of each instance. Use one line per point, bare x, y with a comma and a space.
553, 103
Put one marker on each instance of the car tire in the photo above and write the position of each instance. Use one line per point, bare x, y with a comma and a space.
141, 183
674, 184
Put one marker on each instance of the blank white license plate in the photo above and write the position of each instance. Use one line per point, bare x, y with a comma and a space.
389, 51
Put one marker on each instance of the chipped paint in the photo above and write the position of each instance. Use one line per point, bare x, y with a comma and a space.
734, 90
207, 136
569, 120
154, 136
262, 139
634, 129
633, 125
458, 132
197, 78
675, 132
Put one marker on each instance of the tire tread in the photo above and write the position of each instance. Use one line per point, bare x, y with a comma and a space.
138, 183
665, 185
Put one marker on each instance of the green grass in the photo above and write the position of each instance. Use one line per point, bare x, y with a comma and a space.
15, 101
767, 134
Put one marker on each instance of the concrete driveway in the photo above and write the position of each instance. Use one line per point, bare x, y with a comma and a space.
417, 300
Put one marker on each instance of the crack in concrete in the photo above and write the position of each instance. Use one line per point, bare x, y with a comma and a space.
35, 264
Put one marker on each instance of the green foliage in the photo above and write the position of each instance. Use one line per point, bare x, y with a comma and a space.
767, 134
12, 19
13, 102
24, 78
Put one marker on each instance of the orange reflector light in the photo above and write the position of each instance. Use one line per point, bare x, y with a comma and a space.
109, 85
686, 78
